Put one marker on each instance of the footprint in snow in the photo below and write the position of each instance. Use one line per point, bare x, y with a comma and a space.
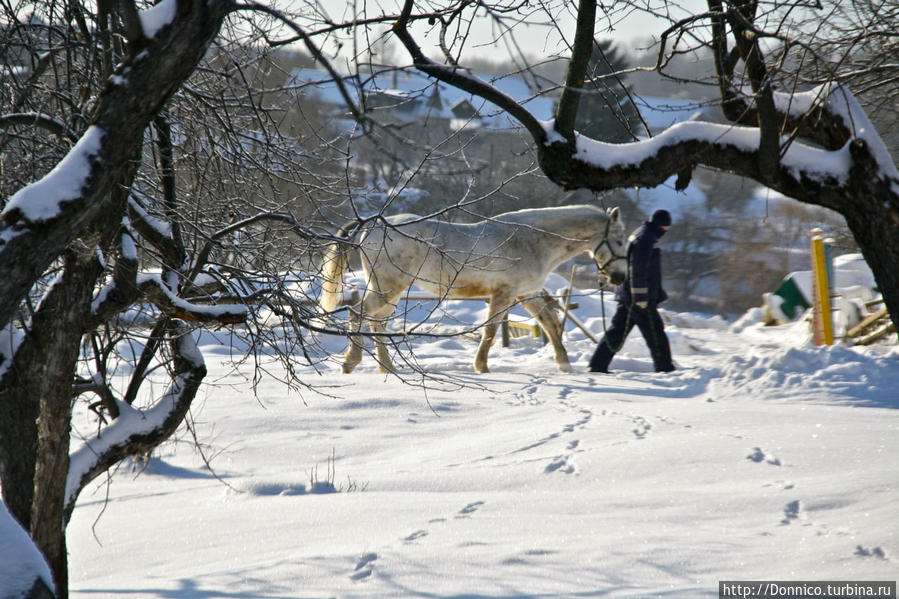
364, 567
560, 465
643, 427
361, 574
416, 535
469, 509
793, 512
783, 484
758, 455
877, 552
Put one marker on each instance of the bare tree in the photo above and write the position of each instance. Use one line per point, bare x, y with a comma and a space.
856, 43
71, 234
145, 177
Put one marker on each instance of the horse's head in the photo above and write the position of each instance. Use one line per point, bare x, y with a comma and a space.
610, 253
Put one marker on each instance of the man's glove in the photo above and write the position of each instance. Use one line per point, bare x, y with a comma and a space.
641, 305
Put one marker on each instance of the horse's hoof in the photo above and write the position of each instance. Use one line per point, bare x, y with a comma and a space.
565, 367
386, 369
347, 368
481, 369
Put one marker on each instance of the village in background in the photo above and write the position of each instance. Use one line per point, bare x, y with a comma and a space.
732, 242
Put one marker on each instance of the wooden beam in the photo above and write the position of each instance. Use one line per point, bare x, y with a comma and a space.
866, 322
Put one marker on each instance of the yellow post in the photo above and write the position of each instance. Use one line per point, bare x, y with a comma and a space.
822, 320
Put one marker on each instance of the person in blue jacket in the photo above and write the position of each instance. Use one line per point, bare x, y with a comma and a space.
638, 298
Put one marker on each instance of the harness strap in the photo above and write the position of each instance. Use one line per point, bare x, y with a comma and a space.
602, 242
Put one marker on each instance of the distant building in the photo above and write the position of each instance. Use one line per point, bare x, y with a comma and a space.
406, 96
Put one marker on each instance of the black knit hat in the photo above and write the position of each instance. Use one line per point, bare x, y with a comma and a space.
661, 218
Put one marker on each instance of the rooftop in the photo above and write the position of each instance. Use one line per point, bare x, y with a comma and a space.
412, 95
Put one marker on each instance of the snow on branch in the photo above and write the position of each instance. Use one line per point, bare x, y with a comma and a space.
137, 431
153, 286
156, 17
44, 199
843, 104
834, 105
854, 158
798, 159
150, 226
121, 291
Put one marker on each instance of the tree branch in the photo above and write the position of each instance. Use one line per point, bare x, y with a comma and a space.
122, 290
33, 230
466, 82
137, 432
746, 40
36, 119
153, 287
313, 49
811, 175
566, 113
173, 252
134, 31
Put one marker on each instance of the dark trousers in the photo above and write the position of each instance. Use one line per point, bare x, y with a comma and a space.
651, 326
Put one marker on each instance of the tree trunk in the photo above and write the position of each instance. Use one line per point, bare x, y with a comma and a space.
878, 239
55, 337
18, 448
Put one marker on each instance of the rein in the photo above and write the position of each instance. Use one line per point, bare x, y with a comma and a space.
605, 242
602, 296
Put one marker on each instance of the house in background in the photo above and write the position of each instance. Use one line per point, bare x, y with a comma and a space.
397, 96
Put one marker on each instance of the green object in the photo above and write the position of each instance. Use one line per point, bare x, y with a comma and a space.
794, 302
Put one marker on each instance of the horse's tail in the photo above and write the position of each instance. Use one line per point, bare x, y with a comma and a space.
334, 264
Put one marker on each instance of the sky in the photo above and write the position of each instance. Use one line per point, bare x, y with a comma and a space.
541, 39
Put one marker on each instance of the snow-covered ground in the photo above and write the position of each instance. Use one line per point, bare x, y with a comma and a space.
762, 457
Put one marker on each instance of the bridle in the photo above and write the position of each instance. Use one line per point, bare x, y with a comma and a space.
605, 242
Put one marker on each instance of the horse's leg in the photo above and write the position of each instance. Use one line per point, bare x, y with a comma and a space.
500, 302
374, 309
541, 308
377, 322
354, 351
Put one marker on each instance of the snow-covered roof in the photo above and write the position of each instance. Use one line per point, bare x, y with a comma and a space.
414, 93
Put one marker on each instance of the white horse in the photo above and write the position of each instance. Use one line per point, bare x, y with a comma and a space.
506, 259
